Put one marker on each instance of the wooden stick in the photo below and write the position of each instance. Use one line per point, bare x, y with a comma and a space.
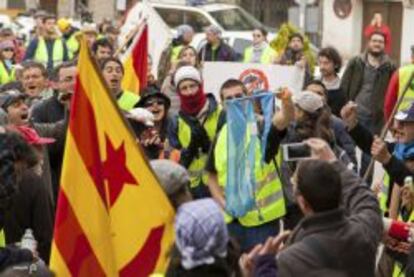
130, 36
386, 127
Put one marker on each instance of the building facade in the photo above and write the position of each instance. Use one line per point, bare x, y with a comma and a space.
345, 20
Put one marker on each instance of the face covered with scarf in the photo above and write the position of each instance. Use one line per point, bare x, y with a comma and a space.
403, 132
190, 90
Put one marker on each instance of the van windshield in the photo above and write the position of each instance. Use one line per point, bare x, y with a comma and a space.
235, 20
176, 17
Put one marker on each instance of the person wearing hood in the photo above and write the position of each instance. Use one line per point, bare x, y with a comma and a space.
202, 241
260, 51
187, 56
169, 56
7, 61
195, 126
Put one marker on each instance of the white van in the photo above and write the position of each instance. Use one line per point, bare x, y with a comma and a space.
163, 19
236, 24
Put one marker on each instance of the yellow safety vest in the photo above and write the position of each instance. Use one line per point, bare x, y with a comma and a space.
404, 74
2, 238
73, 45
267, 56
41, 54
384, 193
6, 76
128, 100
175, 52
198, 176
269, 193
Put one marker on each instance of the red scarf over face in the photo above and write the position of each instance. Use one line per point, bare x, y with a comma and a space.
193, 104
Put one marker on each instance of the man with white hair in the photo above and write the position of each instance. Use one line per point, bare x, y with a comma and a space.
216, 49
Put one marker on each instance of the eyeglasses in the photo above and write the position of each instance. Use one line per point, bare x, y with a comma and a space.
151, 103
8, 49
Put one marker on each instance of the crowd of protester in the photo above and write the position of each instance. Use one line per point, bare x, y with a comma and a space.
317, 217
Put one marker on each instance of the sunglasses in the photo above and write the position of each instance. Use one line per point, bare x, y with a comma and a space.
158, 102
8, 49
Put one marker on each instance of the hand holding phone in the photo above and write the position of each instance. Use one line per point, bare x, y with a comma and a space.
296, 152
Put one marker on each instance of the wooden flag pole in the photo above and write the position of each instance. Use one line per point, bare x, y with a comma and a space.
385, 129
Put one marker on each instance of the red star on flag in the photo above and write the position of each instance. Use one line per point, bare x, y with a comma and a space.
115, 170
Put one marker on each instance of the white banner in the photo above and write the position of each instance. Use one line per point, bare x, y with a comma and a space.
254, 76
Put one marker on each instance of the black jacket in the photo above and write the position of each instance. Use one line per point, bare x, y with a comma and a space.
30, 208
352, 81
224, 53
343, 240
10, 256
336, 100
51, 111
395, 168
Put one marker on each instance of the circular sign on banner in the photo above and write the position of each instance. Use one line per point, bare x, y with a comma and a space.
254, 79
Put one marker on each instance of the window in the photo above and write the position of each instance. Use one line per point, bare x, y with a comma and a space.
197, 20
173, 17
176, 17
235, 20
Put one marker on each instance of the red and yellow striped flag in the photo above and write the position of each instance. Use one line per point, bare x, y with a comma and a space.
136, 63
113, 219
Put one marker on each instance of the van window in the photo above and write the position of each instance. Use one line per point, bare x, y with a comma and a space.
235, 20
172, 17
197, 20
177, 17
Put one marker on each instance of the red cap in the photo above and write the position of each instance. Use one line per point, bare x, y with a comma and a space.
32, 137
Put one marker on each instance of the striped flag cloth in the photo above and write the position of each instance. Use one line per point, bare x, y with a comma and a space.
113, 219
136, 63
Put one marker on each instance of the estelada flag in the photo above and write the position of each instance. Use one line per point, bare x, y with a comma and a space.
113, 219
136, 63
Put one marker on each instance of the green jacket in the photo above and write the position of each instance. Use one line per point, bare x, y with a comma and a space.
352, 81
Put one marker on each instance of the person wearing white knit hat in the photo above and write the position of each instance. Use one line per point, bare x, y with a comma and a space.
194, 128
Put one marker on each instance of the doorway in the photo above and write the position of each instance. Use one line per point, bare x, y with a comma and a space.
392, 14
